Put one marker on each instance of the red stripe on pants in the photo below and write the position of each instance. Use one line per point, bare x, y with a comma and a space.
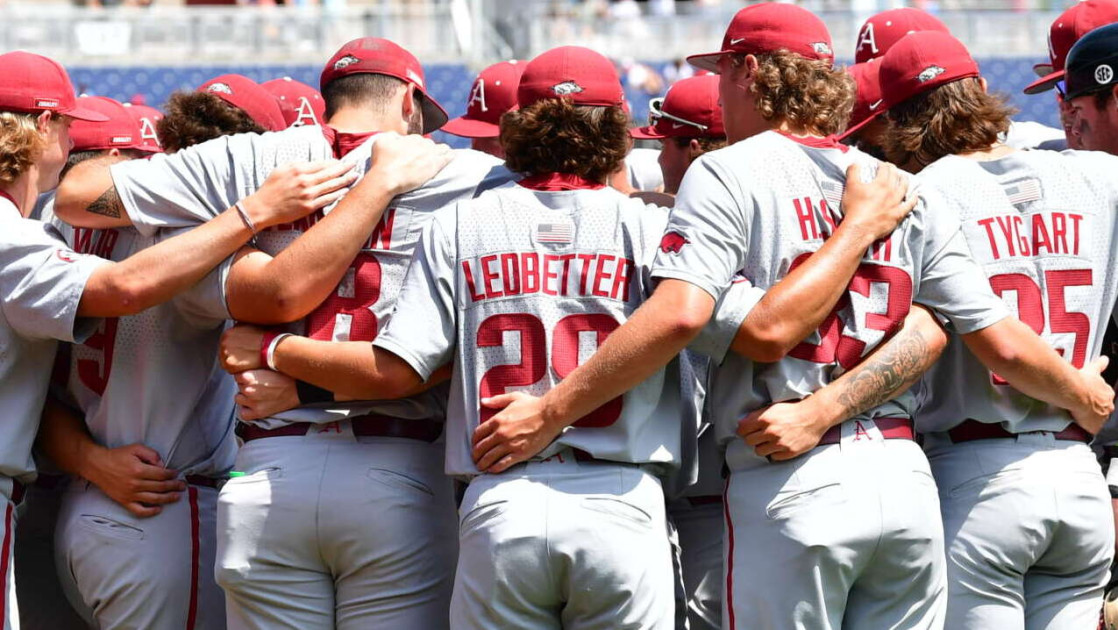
5, 557
194, 553
729, 555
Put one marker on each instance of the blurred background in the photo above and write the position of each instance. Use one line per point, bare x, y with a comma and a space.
142, 50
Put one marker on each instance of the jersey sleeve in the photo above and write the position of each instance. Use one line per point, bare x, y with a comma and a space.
42, 281
422, 328
705, 241
730, 311
180, 189
951, 282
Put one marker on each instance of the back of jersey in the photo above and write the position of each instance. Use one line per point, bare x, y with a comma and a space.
1043, 227
530, 283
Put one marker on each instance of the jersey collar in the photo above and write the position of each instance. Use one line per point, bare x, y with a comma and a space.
551, 182
343, 142
816, 142
11, 199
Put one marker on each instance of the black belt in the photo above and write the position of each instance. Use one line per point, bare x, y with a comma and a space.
372, 425
971, 430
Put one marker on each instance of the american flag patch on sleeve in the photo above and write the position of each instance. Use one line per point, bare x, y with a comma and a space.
555, 232
1023, 192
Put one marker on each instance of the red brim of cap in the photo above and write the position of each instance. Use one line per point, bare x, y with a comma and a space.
850, 131
82, 113
434, 116
471, 128
1045, 83
646, 133
708, 61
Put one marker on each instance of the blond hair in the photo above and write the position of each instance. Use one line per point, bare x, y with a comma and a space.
809, 93
21, 144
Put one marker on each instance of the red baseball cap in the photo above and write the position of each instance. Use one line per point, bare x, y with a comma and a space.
1077, 21
769, 27
922, 61
689, 110
247, 95
572, 72
147, 118
868, 99
32, 83
885, 29
300, 103
374, 55
117, 131
493, 94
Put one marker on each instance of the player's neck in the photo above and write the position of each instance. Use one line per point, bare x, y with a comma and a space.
361, 120
23, 191
993, 152
799, 131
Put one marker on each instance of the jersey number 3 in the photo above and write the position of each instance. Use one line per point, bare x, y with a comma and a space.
533, 356
347, 314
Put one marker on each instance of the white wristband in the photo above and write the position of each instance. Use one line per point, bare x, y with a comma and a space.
270, 355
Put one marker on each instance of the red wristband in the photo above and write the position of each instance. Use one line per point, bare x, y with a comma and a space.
266, 341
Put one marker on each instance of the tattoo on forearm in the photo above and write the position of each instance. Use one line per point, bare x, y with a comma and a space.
885, 374
108, 204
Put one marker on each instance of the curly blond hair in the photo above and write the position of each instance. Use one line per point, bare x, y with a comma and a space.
21, 144
808, 93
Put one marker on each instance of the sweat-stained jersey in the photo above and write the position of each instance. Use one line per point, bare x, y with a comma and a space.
41, 285
761, 206
518, 288
194, 185
153, 378
1043, 226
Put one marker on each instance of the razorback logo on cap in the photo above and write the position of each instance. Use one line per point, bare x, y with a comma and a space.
346, 61
1104, 74
821, 48
567, 87
220, 87
930, 73
46, 103
673, 243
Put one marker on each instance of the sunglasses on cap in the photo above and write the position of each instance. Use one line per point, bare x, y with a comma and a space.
656, 112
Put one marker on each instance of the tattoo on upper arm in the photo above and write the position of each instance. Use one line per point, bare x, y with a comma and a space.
887, 373
108, 204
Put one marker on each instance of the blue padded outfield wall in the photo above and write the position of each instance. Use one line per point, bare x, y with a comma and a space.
450, 85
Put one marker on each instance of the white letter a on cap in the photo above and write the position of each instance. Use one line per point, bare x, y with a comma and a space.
477, 95
867, 37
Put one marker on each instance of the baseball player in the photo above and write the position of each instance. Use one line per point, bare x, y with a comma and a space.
225, 105
300, 103
831, 553
866, 129
688, 123
1078, 20
371, 454
493, 94
148, 118
602, 575
50, 292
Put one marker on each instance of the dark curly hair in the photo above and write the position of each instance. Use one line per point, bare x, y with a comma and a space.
194, 117
809, 93
557, 136
953, 118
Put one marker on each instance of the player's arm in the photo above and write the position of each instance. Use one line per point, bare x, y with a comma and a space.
786, 430
1013, 351
796, 306
158, 273
87, 197
263, 289
133, 475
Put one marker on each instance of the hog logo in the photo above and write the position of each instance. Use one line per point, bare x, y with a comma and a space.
346, 61
567, 88
930, 73
222, 88
673, 243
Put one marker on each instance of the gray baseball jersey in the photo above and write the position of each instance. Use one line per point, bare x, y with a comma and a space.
1043, 226
153, 378
724, 221
519, 287
41, 284
194, 185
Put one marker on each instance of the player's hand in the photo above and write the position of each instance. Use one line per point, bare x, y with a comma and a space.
1101, 402
295, 190
782, 431
264, 393
240, 349
133, 476
404, 163
516, 434
878, 206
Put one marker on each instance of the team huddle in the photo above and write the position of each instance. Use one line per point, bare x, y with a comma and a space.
838, 368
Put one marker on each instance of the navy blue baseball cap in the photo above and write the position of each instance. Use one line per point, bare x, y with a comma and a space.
1092, 64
